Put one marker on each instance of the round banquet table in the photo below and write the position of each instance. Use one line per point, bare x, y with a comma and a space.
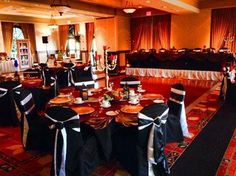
101, 120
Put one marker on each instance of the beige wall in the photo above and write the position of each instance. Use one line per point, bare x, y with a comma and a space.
114, 33
53, 40
191, 30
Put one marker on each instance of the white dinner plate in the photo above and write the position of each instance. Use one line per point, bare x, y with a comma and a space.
111, 113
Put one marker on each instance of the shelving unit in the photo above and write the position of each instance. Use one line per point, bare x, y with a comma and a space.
23, 50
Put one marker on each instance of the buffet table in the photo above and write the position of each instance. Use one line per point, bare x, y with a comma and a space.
171, 73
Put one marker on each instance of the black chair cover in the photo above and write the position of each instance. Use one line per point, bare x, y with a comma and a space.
65, 76
83, 76
73, 154
130, 81
9, 115
175, 103
141, 151
35, 132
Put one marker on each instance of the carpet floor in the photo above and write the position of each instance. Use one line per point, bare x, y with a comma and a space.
203, 157
14, 161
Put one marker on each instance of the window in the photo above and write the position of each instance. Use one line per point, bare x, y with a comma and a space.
17, 34
73, 43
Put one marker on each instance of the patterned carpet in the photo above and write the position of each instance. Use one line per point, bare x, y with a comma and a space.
14, 161
228, 163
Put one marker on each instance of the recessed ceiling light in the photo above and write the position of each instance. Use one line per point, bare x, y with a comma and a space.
148, 1
140, 6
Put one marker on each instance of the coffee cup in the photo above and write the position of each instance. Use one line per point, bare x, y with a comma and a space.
79, 100
105, 103
90, 93
134, 100
131, 93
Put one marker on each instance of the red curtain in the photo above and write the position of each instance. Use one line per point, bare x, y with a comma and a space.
89, 36
223, 25
150, 32
161, 31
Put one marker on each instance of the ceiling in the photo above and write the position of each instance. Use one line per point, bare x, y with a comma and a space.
87, 10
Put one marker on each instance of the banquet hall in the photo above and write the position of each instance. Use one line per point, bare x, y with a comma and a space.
117, 87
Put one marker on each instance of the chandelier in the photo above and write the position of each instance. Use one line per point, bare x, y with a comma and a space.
60, 5
52, 24
129, 7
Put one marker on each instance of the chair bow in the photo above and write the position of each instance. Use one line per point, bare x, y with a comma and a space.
61, 126
70, 74
155, 124
4, 90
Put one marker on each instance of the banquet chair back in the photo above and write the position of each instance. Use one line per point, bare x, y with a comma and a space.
151, 140
65, 76
10, 115
177, 124
130, 81
34, 130
83, 77
67, 159
140, 149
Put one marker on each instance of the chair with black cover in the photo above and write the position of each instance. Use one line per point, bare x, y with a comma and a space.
84, 77
65, 76
34, 129
176, 124
9, 114
140, 150
74, 154
130, 81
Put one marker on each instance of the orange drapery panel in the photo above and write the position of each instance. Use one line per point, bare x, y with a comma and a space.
7, 32
150, 32
89, 36
63, 36
161, 31
29, 33
223, 24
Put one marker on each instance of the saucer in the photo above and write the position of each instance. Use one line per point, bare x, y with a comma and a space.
75, 102
141, 90
90, 94
134, 103
112, 113
105, 106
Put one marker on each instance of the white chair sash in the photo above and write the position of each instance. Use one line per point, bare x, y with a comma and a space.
54, 84
155, 123
70, 74
183, 118
86, 83
60, 127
